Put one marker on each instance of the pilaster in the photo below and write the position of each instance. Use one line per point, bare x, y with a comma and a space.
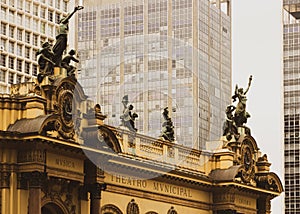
35, 180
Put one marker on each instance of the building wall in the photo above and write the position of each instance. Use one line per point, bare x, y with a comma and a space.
291, 74
146, 205
160, 53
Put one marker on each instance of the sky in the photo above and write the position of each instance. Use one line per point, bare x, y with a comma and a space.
257, 51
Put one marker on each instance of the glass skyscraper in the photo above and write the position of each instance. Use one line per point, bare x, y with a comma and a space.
25, 24
161, 53
291, 78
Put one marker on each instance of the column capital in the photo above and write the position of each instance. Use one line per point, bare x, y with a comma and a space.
95, 190
35, 178
5, 179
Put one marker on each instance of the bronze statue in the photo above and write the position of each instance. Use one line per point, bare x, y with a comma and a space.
62, 37
241, 115
167, 126
67, 60
230, 126
128, 118
45, 56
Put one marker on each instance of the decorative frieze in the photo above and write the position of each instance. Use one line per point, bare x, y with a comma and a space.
31, 156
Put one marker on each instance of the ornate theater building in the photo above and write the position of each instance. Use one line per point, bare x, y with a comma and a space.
57, 156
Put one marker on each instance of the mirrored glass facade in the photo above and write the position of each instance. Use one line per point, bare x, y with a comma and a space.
291, 83
161, 53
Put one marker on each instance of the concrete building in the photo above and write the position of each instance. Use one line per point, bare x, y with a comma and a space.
161, 53
57, 156
25, 25
291, 75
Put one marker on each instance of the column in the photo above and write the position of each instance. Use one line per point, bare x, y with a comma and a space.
5, 185
35, 182
95, 194
263, 205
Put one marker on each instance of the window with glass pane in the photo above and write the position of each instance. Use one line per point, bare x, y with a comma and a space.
11, 31
27, 21
35, 24
19, 49
27, 6
27, 67
43, 27
50, 30
2, 75
50, 16
57, 4
3, 60
20, 4
35, 39
33, 54
12, 3
43, 12
35, 10
19, 19
57, 17
3, 12
20, 34
11, 47
19, 78
19, 65
11, 78
27, 37
11, 62
27, 52
3, 28
34, 70
11, 16
3, 43
65, 6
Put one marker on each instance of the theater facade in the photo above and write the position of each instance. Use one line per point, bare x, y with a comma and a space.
57, 156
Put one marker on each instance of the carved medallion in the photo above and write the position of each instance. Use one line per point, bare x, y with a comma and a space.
66, 98
65, 111
247, 161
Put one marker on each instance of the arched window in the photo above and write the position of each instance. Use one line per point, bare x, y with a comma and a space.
110, 209
151, 212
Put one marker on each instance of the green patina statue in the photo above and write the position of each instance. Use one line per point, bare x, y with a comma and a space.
62, 37
240, 115
50, 57
128, 117
167, 126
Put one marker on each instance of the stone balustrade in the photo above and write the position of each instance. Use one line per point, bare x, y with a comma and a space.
179, 156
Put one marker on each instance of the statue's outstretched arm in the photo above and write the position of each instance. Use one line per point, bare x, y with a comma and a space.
67, 18
249, 83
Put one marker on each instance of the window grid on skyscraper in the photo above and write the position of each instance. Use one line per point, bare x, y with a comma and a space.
291, 85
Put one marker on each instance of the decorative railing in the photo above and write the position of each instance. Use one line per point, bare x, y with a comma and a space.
159, 150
